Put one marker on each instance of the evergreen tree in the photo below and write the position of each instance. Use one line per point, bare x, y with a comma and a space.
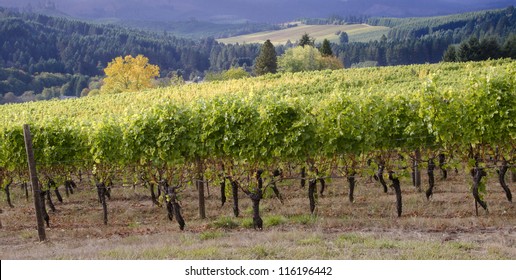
267, 61
326, 48
470, 50
509, 47
306, 40
490, 49
450, 55
343, 38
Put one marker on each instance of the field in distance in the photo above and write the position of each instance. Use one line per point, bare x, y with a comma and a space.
356, 33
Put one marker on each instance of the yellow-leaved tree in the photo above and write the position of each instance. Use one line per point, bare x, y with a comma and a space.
129, 74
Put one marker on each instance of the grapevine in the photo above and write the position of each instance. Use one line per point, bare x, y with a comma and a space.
317, 125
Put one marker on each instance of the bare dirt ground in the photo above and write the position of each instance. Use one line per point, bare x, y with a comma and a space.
445, 227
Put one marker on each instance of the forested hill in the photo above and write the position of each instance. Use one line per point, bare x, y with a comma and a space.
499, 22
425, 40
43, 57
33, 43
79, 47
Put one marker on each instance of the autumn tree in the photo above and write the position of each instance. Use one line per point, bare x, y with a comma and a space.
267, 61
129, 74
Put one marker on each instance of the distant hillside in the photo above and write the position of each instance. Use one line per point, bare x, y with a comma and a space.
57, 56
254, 10
356, 32
500, 23
193, 29
43, 57
496, 22
423, 40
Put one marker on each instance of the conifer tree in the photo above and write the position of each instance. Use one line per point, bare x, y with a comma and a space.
267, 61
450, 55
326, 48
306, 40
343, 38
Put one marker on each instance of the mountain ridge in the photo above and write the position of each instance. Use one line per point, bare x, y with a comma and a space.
251, 10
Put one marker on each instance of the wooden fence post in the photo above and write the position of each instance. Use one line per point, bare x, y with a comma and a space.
417, 171
200, 188
34, 180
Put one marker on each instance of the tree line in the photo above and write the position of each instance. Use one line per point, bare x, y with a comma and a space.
34, 45
44, 57
425, 40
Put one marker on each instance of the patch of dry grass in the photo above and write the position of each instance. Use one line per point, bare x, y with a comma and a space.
356, 32
445, 227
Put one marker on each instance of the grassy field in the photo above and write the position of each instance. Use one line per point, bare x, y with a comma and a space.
356, 32
443, 228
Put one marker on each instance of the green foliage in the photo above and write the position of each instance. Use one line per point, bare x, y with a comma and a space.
274, 220
273, 120
300, 59
266, 62
509, 47
326, 48
451, 54
26, 86
225, 223
305, 58
475, 50
343, 38
306, 40
247, 222
231, 74
176, 79
235, 73
420, 40
34, 44
213, 76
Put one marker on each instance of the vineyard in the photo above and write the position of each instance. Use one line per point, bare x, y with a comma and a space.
252, 138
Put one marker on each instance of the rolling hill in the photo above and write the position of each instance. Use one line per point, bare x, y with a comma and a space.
356, 32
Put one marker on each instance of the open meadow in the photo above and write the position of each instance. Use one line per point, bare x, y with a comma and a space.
356, 33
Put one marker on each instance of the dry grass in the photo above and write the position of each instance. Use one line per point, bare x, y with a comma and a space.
356, 32
443, 228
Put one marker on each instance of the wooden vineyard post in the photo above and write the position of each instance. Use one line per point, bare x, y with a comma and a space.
200, 189
417, 171
34, 180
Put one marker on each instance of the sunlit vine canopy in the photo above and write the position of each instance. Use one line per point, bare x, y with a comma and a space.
275, 118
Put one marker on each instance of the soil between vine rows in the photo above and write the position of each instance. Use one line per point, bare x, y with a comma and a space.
443, 228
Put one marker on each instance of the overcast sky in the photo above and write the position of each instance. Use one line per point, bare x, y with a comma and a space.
258, 10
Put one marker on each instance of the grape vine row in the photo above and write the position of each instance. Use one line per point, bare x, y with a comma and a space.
378, 122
